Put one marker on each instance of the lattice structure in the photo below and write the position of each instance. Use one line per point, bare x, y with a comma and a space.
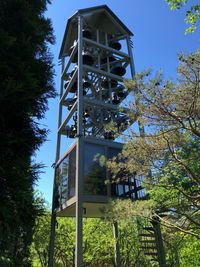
97, 47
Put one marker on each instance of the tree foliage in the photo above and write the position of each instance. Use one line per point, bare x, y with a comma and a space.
192, 15
170, 145
26, 83
98, 243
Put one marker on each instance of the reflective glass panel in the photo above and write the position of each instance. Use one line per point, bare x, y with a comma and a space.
64, 179
94, 170
58, 186
72, 173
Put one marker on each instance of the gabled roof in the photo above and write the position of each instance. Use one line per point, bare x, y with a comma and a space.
92, 15
95, 8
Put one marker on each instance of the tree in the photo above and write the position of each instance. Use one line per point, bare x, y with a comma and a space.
98, 239
64, 244
130, 216
188, 252
170, 145
192, 15
98, 242
26, 83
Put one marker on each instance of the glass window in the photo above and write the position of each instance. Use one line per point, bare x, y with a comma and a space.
113, 152
94, 170
72, 173
116, 189
58, 186
120, 189
64, 179
129, 188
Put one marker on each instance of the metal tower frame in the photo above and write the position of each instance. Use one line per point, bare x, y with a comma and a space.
100, 107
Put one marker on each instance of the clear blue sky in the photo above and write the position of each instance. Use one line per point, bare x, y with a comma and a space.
158, 38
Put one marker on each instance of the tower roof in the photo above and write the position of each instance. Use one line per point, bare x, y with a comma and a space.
99, 17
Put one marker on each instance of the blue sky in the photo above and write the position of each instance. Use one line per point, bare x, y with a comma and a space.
159, 35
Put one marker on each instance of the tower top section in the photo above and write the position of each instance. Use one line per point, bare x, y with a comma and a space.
94, 17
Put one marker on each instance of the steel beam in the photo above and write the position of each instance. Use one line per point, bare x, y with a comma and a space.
53, 214
103, 73
159, 243
79, 156
67, 119
116, 244
64, 95
69, 61
107, 48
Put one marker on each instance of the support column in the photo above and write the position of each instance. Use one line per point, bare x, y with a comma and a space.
79, 207
159, 242
52, 234
116, 246
137, 100
79, 157
54, 198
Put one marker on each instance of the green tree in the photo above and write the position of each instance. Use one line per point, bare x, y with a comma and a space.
170, 145
128, 215
64, 243
26, 83
188, 253
192, 15
98, 241
181, 249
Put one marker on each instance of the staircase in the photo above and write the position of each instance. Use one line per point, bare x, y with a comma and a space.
151, 242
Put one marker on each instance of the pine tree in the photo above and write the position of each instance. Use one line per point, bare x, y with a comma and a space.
167, 156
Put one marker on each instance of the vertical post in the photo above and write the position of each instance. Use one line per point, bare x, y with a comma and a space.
108, 69
53, 213
99, 58
177, 257
52, 233
116, 247
115, 224
140, 125
60, 113
79, 158
159, 242
130, 53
